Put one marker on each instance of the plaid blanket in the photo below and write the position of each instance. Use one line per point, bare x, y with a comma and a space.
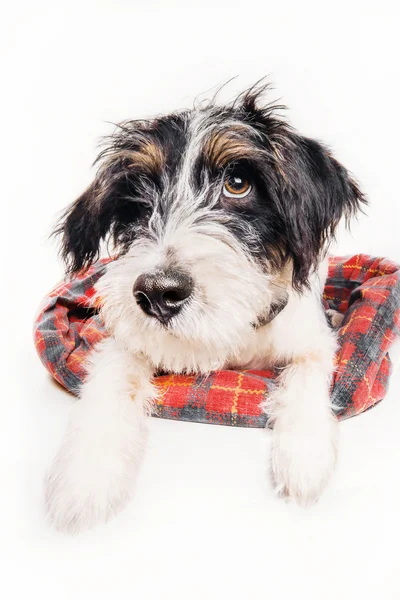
366, 290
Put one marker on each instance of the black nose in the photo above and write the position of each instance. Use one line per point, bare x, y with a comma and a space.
162, 294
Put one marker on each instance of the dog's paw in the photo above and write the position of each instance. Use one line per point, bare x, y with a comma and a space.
87, 486
303, 459
335, 317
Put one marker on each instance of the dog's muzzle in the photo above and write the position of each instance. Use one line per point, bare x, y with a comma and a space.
163, 294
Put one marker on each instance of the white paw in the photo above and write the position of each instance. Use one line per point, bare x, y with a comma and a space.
88, 484
303, 457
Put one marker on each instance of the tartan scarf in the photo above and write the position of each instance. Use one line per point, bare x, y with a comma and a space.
365, 289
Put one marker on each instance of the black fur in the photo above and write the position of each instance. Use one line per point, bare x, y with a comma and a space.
300, 192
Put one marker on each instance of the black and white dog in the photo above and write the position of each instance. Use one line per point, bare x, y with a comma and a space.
220, 217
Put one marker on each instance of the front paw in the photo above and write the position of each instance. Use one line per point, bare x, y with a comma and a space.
86, 486
303, 458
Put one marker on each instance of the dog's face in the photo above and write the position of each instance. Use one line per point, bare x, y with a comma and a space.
207, 209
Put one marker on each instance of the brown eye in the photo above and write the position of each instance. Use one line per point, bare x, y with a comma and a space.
236, 186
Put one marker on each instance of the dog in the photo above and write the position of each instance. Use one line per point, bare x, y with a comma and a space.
220, 218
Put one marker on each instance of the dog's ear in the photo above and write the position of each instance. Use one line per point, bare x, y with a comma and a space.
316, 191
82, 228
107, 209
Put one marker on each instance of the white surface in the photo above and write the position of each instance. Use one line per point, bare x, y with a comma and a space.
205, 522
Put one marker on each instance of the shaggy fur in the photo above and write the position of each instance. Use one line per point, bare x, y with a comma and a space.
220, 217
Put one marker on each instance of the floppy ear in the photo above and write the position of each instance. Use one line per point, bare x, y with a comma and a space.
106, 209
316, 192
82, 228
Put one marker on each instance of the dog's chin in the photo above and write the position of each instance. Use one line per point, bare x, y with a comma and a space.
193, 343
169, 328
198, 327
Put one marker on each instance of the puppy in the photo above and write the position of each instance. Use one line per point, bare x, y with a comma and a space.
220, 218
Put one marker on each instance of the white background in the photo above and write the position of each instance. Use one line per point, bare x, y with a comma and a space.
205, 522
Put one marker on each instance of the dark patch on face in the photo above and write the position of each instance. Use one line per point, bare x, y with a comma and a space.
170, 133
147, 148
120, 201
227, 147
298, 190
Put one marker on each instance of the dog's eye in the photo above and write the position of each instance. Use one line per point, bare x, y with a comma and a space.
236, 186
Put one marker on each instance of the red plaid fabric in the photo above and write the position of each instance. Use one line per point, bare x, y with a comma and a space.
365, 289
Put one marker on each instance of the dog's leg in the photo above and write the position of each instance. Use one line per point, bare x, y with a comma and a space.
305, 435
94, 471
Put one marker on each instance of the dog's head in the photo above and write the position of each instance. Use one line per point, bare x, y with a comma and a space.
206, 208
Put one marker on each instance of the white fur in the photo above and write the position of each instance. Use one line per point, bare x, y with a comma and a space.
305, 432
94, 471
